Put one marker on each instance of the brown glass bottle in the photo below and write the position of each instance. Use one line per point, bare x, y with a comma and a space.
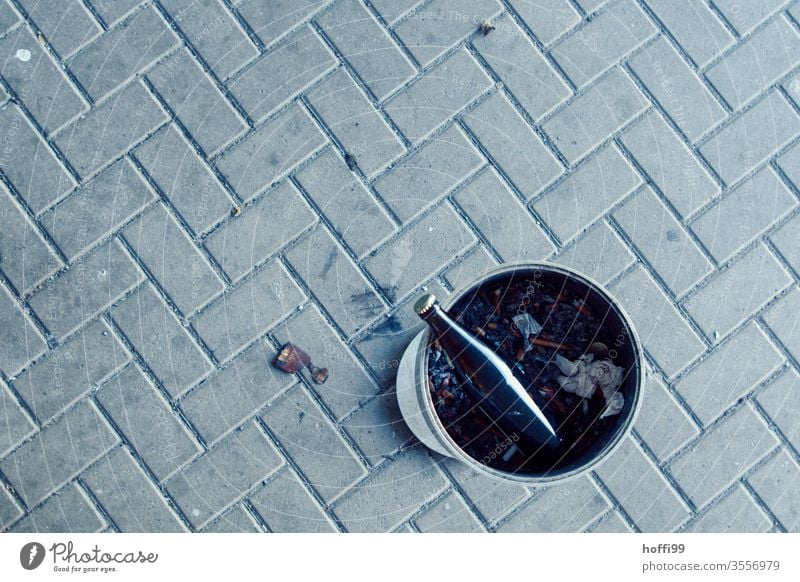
490, 382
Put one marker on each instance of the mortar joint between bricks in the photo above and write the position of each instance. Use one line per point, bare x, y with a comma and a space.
613, 502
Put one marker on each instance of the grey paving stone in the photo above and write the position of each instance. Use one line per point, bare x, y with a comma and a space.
776, 483
270, 152
346, 203
181, 176
721, 455
663, 331
662, 241
172, 259
58, 453
695, 27
9, 510
236, 520
677, 89
599, 241
567, 507
607, 38
669, 164
611, 523
736, 292
14, 424
492, 498
122, 52
272, 20
25, 258
155, 333
88, 145
364, 134
751, 138
522, 68
69, 510
86, 289
640, 488
348, 384
313, 443
196, 101
391, 494
29, 164
224, 474
38, 82
792, 87
214, 33
428, 174
548, 20
504, 221
366, 46
745, 16
378, 429
513, 145
765, 57
580, 199
128, 495
338, 285
418, 252
786, 241
790, 162
780, 399
112, 10
734, 513
20, 342
262, 229
392, 10
230, 396
145, 419
98, 209
248, 310
590, 6
592, 116
8, 18
70, 371
474, 263
437, 26
448, 514
451, 85
784, 321
286, 506
762, 198
300, 59
66, 25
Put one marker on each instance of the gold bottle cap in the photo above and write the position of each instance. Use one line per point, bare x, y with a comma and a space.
424, 303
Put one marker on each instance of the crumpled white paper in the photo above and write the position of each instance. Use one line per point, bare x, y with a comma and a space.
585, 375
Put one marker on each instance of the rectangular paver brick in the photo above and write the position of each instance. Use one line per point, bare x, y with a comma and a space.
781, 401
224, 474
69, 510
391, 494
491, 497
20, 342
522, 68
547, 20
378, 429
364, 134
745, 16
784, 321
14, 424
366, 46
587, 193
736, 292
418, 252
669, 164
122, 52
777, 483
98, 209
610, 523
196, 102
677, 89
722, 455
448, 514
599, 241
788, 243
112, 10
66, 25
592, 116
262, 228
9, 510
734, 513
148, 423
298, 61
604, 40
214, 33
230, 396
451, 85
235, 520
392, 10
58, 453
351, 209
476, 261
274, 19
751, 138
762, 198
128, 496
661, 328
9, 18
513, 145
286, 506
662, 241
89, 145
428, 174
662, 423
270, 152
313, 443
248, 310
